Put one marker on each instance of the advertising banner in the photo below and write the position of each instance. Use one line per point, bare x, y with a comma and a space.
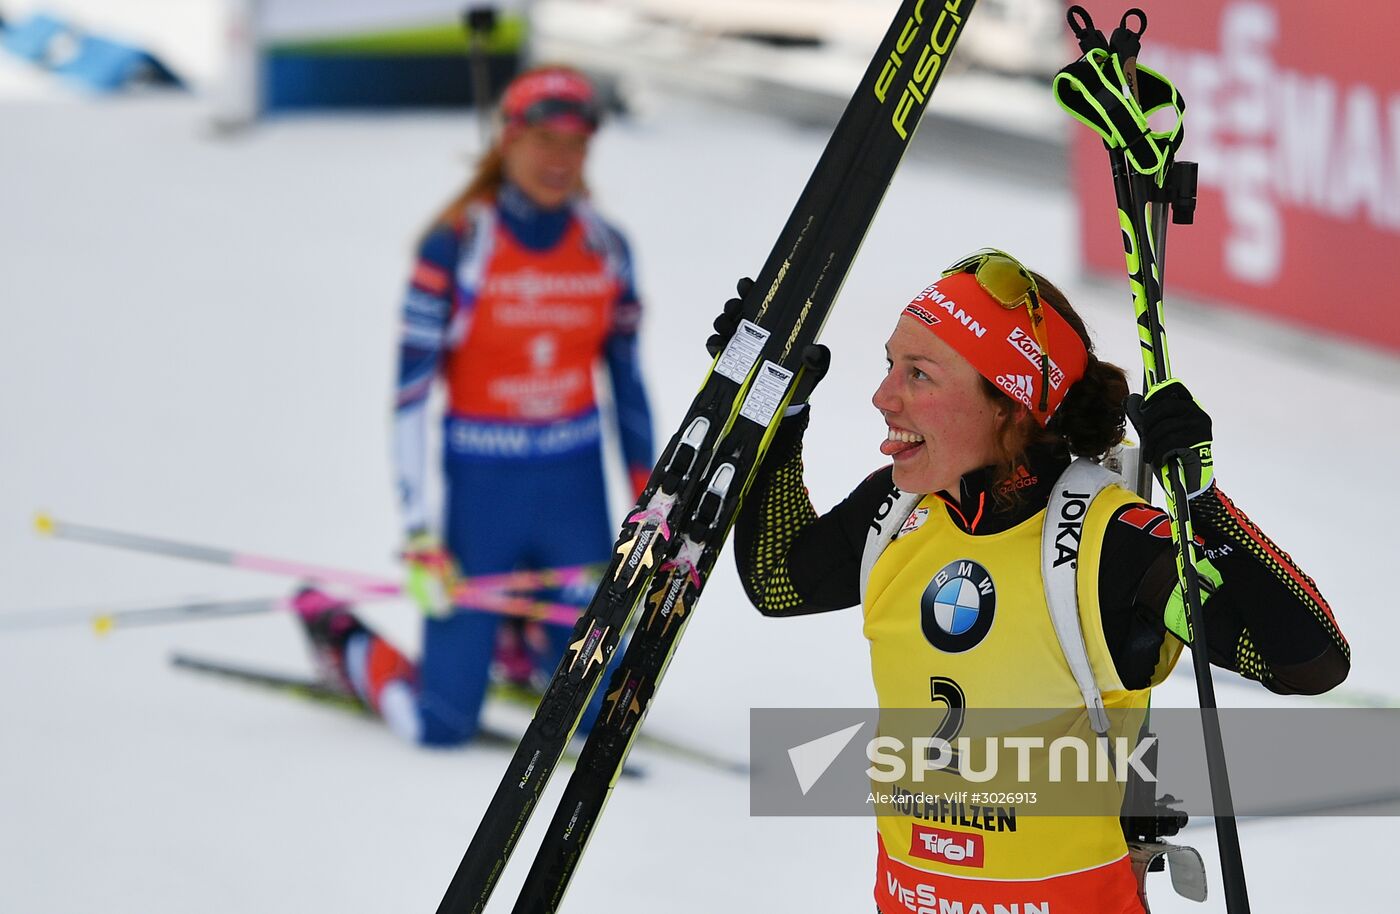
1293, 113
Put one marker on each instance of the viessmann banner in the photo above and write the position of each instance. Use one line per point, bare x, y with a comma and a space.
1293, 112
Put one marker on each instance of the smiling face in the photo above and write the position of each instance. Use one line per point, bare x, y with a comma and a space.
941, 421
546, 163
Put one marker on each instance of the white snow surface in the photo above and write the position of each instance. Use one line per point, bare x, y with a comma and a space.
198, 338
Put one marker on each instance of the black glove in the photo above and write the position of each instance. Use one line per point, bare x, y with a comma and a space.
816, 359
1172, 425
728, 320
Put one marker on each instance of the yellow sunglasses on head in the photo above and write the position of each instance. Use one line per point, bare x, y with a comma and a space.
1011, 285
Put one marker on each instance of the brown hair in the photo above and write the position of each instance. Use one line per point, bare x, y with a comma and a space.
1089, 422
486, 180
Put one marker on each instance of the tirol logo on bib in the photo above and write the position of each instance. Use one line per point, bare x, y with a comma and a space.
957, 606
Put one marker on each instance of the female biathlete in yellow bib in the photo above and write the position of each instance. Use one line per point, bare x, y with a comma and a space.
980, 428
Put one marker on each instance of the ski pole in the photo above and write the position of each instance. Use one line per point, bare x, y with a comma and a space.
1114, 108
103, 621
366, 584
480, 23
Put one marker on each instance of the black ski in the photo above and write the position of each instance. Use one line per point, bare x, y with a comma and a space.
915, 48
299, 686
683, 517
506, 693
314, 690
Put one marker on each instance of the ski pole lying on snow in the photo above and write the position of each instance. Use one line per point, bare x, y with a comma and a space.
1109, 93
103, 621
366, 585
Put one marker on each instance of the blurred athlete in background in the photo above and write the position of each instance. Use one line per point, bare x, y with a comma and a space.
519, 291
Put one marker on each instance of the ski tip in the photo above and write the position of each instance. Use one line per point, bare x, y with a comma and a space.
102, 624
44, 524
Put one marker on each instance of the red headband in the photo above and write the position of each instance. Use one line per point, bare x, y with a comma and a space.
555, 96
998, 341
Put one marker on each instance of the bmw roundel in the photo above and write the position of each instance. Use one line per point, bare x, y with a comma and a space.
957, 606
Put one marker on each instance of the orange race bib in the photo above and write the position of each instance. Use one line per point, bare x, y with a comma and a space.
536, 329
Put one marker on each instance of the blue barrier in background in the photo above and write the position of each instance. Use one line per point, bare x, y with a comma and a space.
300, 81
96, 63
33, 38
106, 66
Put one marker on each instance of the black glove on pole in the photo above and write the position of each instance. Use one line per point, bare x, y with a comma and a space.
1172, 425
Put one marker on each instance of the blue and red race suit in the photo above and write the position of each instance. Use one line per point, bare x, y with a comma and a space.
513, 306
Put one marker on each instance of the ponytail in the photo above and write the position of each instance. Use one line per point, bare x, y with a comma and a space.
1090, 420
485, 182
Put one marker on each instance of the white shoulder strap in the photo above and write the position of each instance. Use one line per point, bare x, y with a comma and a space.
476, 253
1064, 525
893, 512
600, 236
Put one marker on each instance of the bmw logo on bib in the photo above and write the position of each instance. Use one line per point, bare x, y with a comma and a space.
957, 606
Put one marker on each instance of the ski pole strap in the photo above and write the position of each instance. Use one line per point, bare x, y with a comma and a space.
1096, 91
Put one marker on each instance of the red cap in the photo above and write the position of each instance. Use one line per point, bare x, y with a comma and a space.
557, 96
999, 342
